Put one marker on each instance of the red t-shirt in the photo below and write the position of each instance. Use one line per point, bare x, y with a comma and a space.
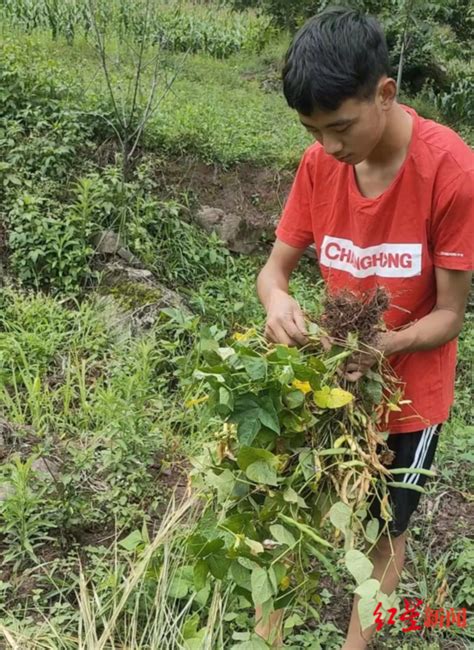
422, 220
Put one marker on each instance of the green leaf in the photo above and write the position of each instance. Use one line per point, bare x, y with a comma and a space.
372, 530
282, 535
225, 353
285, 353
241, 576
262, 472
308, 462
200, 571
368, 588
358, 565
223, 483
294, 399
201, 547
132, 541
255, 643
373, 390
249, 455
365, 608
255, 367
340, 515
247, 563
291, 496
247, 430
286, 375
254, 546
261, 586
190, 627
178, 588
225, 398
200, 374
268, 415
218, 566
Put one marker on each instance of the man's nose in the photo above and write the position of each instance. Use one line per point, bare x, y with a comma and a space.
331, 145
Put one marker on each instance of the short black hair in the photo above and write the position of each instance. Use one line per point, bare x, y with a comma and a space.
336, 55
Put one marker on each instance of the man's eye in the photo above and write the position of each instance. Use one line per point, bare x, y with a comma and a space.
345, 128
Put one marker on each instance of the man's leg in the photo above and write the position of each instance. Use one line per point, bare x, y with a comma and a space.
414, 450
388, 558
272, 629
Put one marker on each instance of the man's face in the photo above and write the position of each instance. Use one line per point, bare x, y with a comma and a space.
351, 132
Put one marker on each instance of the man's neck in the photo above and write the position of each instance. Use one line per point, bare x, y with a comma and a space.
395, 141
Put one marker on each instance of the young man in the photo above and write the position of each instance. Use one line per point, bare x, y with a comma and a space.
387, 199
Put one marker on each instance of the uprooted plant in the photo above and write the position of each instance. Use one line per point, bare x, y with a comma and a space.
299, 446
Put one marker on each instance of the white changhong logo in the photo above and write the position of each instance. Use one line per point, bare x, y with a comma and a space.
385, 260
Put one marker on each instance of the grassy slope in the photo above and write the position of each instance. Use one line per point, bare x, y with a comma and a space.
216, 109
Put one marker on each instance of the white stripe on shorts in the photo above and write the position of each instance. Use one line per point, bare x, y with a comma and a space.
420, 458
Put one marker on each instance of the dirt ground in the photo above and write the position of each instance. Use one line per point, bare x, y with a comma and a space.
254, 192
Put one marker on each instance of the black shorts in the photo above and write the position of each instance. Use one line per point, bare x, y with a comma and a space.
412, 450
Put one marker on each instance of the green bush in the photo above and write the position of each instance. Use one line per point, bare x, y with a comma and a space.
49, 243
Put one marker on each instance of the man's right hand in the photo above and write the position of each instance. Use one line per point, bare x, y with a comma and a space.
285, 320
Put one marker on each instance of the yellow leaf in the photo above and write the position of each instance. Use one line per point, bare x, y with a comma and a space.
303, 386
393, 407
243, 336
332, 398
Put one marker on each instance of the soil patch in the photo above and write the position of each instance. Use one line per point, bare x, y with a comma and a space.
258, 193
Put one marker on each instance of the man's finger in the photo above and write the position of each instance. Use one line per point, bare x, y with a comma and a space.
326, 343
301, 326
295, 334
279, 335
355, 375
353, 367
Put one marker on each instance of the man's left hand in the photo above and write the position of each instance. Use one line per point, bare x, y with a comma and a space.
360, 362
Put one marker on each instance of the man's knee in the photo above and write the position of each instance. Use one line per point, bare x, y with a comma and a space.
389, 545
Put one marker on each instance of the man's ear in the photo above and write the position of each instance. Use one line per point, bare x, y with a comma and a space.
387, 92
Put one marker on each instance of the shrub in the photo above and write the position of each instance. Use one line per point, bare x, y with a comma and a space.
49, 243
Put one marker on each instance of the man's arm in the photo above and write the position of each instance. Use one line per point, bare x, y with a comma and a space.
285, 320
436, 328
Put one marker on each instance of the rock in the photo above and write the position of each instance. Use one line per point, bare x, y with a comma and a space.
128, 256
45, 467
238, 234
139, 295
107, 242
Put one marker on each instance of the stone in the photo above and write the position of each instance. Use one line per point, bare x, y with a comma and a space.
238, 234
45, 467
139, 295
108, 242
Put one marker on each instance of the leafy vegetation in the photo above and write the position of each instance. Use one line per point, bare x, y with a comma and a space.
176, 26
107, 391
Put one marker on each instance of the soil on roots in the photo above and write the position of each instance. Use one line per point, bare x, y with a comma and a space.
349, 313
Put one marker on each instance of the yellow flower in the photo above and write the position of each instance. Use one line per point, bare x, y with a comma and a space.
244, 336
303, 386
193, 402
